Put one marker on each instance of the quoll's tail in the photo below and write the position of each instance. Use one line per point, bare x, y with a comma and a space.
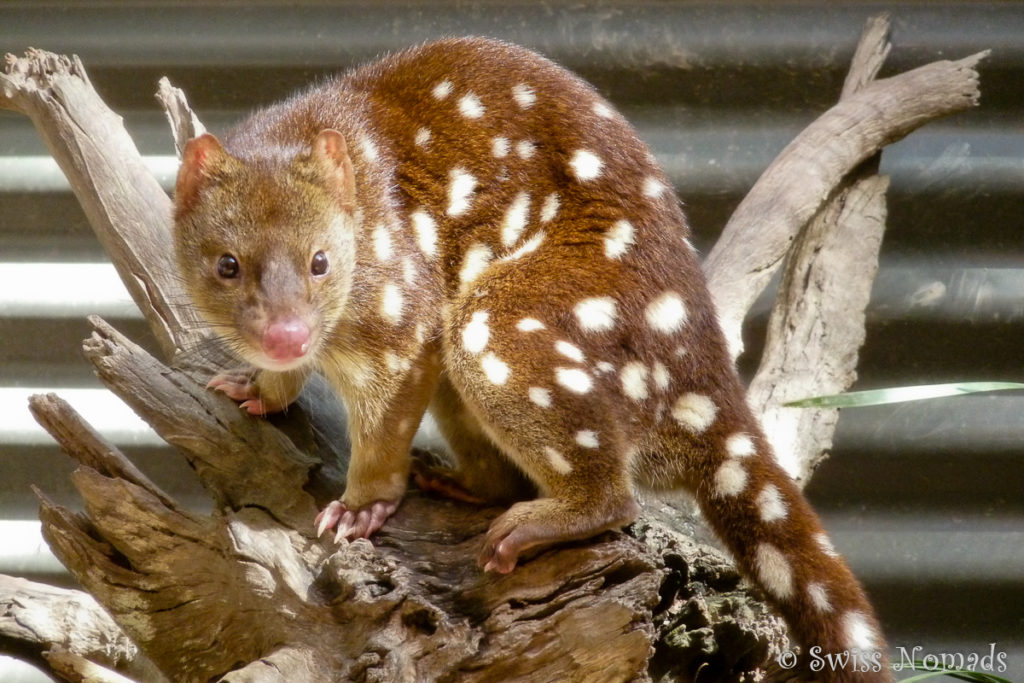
776, 537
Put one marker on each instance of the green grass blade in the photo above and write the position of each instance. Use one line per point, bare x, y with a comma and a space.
877, 397
963, 675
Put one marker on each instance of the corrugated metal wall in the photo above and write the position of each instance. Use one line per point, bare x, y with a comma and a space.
926, 500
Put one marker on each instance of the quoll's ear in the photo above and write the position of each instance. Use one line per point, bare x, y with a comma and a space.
331, 152
201, 155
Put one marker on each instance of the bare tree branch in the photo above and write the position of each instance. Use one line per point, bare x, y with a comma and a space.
37, 621
817, 327
805, 174
128, 210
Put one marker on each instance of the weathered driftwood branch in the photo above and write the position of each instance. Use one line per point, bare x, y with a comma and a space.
54, 627
126, 207
184, 123
246, 592
817, 323
410, 606
806, 173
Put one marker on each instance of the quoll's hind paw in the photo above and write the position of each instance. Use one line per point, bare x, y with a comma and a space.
434, 478
353, 524
502, 546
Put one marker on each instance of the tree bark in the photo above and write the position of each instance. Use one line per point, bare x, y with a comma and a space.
246, 592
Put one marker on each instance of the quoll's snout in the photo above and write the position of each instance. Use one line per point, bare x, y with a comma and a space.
286, 339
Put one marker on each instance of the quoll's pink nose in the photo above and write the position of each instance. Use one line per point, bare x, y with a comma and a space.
286, 339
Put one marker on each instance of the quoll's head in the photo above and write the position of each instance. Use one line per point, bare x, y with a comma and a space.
266, 247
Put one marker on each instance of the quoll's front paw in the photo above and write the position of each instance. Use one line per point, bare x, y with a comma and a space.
353, 524
238, 385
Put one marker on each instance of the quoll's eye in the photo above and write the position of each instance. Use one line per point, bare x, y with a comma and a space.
319, 265
227, 267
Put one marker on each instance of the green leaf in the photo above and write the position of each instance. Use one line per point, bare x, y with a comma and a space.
877, 397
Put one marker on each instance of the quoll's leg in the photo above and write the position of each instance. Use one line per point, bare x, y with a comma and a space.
482, 474
382, 421
536, 397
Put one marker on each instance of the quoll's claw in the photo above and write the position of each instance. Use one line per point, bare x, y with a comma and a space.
254, 406
498, 558
502, 545
328, 517
352, 524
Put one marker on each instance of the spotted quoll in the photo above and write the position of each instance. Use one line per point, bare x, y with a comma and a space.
467, 228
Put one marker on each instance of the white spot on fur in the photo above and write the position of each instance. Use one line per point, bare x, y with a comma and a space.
667, 313
576, 381
442, 90
695, 412
596, 314
774, 571
477, 258
409, 273
540, 396
859, 634
476, 333
527, 247
382, 242
570, 351
529, 325
524, 96
770, 504
818, 595
470, 106
740, 446
660, 375
495, 369
653, 188
426, 232
730, 479
422, 137
634, 380
586, 165
499, 147
391, 302
396, 364
618, 239
460, 189
515, 219
604, 367
557, 460
549, 208
525, 149
826, 545
603, 110
368, 148
587, 438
